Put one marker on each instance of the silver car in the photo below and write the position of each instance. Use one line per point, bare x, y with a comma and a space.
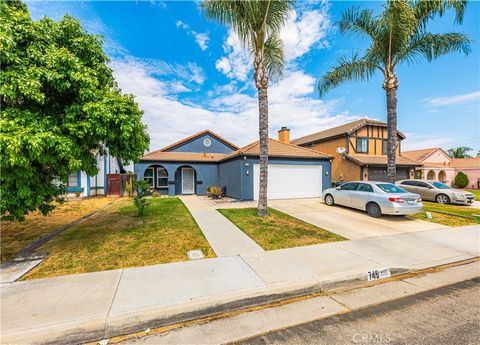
376, 198
437, 191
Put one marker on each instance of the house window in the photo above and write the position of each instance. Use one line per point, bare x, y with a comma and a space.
148, 176
162, 178
72, 180
207, 142
384, 147
362, 145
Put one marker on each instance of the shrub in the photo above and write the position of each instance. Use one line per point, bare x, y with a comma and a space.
216, 192
155, 194
461, 180
142, 187
129, 186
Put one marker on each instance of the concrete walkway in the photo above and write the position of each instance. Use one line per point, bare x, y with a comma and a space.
83, 307
224, 237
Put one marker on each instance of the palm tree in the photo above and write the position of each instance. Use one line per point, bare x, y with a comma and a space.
460, 152
398, 35
257, 24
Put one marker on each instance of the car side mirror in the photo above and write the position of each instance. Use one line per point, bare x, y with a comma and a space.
338, 188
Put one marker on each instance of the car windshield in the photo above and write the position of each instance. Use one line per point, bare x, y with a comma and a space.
390, 188
440, 185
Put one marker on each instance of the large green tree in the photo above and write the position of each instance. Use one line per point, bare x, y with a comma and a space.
398, 35
460, 152
257, 24
60, 106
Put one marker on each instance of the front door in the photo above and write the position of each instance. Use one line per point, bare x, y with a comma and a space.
188, 181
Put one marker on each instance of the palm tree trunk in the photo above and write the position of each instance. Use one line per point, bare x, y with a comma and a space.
392, 133
263, 134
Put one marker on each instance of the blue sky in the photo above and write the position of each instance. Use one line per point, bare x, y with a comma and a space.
189, 74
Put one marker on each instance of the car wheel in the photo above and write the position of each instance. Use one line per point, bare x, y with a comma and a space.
329, 200
374, 210
442, 199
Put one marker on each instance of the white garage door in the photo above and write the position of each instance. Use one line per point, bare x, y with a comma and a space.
290, 181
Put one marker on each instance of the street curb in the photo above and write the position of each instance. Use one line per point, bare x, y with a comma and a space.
175, 319
202, 310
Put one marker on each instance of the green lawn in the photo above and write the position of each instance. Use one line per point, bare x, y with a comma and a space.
117, 238
278, 230
450, 219
475, 192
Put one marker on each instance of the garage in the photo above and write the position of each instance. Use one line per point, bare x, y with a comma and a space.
380, 174
290, 181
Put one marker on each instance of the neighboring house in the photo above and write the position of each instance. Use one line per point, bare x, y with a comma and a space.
80, 182
438, 165
360, 151
205, 159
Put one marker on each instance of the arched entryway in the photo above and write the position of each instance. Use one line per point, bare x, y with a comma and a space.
442, 176
185, 180
431, 175
157, 177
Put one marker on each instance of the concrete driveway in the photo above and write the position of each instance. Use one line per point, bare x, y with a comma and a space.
347, 222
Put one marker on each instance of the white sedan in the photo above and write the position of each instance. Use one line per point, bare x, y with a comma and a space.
376, 198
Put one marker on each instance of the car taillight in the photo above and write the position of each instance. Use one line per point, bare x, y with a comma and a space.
397, 200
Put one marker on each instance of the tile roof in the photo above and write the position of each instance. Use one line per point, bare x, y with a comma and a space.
347, 128
206, 131
380, 160
420, 155
275, 149
465, 162
183, 157
278, 149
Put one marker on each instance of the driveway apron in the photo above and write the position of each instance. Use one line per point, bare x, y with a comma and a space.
224, 237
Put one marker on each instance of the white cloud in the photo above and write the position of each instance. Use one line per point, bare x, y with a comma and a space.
233, 113
416, 141
202, 39
453, 99
304, 31
306, 28
237, 64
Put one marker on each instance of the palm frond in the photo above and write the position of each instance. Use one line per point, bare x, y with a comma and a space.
426, 10
355, 69
359, 22
431, 46
274, 57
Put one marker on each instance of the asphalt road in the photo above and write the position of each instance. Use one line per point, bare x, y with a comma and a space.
449, 315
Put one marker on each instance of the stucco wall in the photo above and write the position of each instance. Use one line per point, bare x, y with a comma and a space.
229, 175
196, 145
342, 169
205, 174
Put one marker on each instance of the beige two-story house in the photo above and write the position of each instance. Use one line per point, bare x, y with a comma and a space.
359, 149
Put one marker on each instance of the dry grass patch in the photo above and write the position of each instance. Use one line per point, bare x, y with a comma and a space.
278, 230
17, 235
118, 238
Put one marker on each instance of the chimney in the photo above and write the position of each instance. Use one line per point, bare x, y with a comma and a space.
284, 135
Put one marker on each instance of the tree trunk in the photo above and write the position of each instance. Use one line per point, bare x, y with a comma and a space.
263, 134
392, 131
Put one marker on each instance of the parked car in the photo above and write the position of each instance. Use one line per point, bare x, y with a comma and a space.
437, 191
376, 198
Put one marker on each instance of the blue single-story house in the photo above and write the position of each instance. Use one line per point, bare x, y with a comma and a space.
205, 159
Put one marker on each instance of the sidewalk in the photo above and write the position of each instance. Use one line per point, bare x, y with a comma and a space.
224, 236
104, 304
